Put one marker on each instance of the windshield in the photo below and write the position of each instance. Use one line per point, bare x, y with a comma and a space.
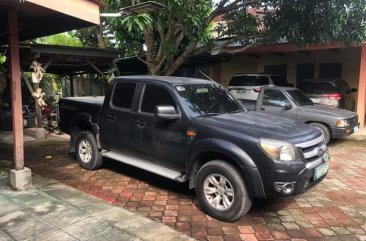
299, 98
208, 99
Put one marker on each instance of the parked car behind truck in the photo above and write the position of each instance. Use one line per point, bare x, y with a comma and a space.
248, 86
192, 130
334, 93
294, 104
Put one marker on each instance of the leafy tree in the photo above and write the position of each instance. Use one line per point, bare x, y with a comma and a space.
184, 28
65, 39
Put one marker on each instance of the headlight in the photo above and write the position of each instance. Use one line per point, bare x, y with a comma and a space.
342, 123
279, 150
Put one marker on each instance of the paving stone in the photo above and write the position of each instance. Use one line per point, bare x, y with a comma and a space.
115, 235
55, 236
27, 227
4, 236
60, 214
87, 228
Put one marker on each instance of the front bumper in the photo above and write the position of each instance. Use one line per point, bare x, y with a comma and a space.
338, 132
301, 178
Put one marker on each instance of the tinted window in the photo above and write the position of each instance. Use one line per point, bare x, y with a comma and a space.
208, 99
123, 95
317, 87
279, 81
299, 98
155, 95
274, 98
249, 80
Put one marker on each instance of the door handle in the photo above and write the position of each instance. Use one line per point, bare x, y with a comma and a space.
111, 117
262, 108
140, 123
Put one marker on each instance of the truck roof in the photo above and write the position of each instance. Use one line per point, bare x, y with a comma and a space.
165, 79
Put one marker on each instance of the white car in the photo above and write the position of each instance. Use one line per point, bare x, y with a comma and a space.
248, 86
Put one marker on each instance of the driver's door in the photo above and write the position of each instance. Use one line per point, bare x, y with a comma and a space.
160, 141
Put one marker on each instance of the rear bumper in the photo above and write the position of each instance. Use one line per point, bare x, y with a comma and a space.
338, 132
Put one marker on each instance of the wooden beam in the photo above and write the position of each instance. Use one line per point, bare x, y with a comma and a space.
334, 51
96, 68
16, 91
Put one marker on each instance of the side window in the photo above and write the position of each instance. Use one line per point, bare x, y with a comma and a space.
123, 95
274, 98
155, 95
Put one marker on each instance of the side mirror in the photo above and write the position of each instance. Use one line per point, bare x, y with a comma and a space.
287, 106
353, 90
166, 112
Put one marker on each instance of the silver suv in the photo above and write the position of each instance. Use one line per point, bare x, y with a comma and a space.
248, 86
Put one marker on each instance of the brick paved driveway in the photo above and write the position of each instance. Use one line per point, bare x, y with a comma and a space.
334, 210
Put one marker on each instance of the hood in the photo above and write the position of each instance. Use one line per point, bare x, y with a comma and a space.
262, 125
328, 111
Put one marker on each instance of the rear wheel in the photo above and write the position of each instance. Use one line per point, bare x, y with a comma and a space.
87, 152
221, 191
324, 130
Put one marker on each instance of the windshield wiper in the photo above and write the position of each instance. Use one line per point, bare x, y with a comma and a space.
209, 114
236, 111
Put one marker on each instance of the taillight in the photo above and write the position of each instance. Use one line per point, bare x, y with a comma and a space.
257, 90
336, 96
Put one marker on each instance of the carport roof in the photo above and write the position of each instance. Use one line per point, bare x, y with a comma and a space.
67, 60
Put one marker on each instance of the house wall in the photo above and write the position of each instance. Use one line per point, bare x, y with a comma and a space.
349, 57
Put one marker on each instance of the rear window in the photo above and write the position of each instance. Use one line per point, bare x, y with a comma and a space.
279, 81
317, 87
249, 81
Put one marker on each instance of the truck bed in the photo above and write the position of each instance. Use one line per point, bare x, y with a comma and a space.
70, 107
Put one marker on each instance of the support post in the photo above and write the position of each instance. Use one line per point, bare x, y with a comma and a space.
361, 99
16, 92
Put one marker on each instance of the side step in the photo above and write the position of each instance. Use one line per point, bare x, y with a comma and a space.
145, 165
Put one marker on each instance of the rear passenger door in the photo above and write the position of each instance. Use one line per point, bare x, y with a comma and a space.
117, 118
160, 141
275, 102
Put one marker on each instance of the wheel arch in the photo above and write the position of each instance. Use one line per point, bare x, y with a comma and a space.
82, 122
216, 149
323, 123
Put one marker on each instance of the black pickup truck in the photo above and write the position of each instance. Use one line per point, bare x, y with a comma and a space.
294, 104
193, 130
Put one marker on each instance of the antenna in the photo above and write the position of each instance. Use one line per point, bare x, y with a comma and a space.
205, 75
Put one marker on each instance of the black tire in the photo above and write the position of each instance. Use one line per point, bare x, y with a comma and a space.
240, 201
87, 152
324, 129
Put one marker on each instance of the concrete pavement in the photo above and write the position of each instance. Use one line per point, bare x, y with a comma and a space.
53, 211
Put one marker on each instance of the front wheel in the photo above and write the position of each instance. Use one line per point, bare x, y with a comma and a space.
221, 191
87, 152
